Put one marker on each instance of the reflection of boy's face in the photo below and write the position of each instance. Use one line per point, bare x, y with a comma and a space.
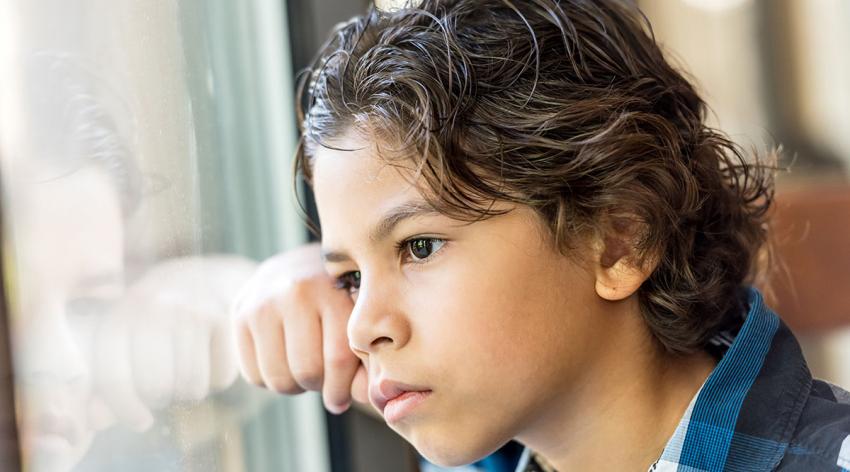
69, 263
494, 322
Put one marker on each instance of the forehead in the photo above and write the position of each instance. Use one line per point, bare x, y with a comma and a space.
354, 184
84, 209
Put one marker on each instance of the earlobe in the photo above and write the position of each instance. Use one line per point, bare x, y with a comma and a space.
617, 277
618, 282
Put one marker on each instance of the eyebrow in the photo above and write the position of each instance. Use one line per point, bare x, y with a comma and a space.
384, 228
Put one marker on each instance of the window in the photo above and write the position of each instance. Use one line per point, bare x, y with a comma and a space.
139, 142
145, 159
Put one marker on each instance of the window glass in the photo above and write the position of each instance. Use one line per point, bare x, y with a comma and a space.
145, 153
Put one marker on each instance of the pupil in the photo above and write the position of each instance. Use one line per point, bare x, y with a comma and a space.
422, 248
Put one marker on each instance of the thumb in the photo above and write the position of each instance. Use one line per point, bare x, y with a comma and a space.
100, 416
113, 380
360, 385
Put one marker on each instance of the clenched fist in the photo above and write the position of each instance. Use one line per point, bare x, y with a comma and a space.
167, 339
290, 327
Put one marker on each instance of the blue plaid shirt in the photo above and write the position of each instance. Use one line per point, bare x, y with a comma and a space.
759, 410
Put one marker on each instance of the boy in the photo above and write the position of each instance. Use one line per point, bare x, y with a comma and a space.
540, 240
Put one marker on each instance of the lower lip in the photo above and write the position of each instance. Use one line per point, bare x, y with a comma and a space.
403, 405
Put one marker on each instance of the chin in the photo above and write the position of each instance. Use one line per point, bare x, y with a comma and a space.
449, 450
53, 452
48, 458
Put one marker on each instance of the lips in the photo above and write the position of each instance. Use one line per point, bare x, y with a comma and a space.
50, 433
385, 390
57, 424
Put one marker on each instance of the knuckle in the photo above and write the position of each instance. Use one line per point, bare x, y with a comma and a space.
340, 360
309, 378
238, 302
256, 311
262, 314
157, 397
283, 384
241, 315
251, 377
300, 289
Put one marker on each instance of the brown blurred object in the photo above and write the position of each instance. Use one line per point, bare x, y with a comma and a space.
9, 447
811, 281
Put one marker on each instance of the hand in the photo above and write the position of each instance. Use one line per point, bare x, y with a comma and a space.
167, 339
290, 326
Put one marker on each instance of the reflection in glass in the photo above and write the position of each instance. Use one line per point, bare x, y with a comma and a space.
115, 205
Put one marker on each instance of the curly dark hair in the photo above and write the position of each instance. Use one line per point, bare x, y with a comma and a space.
568, 107
71, 124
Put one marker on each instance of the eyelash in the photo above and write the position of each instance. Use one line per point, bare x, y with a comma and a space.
346, 280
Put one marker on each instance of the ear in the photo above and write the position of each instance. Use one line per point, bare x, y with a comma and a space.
617, 274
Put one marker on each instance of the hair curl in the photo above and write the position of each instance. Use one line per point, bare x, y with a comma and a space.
568, 107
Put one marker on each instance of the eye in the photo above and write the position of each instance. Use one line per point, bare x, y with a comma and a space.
349, 281
88, 307
421, 249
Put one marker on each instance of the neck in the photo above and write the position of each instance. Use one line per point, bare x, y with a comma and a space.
626, 408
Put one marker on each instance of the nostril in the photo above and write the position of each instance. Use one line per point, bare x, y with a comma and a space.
382, 340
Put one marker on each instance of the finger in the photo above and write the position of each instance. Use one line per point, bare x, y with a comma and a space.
224, 367
303, 332
114, 378
247, 354
152, 357
202, 367
360, 385
99, 414
340, 363
268, 335
191, 357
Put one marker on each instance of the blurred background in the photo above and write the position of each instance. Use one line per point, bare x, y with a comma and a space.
185, 107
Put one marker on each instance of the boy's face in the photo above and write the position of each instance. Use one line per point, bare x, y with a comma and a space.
487, 316
63, 291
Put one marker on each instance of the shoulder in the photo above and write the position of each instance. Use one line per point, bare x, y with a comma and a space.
821, 438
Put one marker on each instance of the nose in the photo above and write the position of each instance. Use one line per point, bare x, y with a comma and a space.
377, 321
48, 351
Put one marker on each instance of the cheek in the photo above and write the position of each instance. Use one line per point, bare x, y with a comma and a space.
495, 324
495, 340
483, 317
